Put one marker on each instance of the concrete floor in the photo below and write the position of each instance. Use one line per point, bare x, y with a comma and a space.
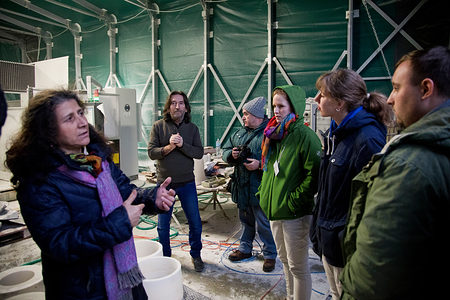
221, 279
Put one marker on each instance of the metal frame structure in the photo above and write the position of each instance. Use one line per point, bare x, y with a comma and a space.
397, 29
271, 61
36, 31
74, 28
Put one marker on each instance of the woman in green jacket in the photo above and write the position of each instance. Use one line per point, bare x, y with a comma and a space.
290, 160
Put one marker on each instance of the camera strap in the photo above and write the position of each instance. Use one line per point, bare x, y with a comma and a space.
252, 135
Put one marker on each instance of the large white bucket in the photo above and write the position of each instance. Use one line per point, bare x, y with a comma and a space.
29, 296
163, 278
147, 248
20, 280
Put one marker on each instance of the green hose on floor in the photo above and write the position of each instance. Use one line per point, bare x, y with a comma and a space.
143, 219
146, 219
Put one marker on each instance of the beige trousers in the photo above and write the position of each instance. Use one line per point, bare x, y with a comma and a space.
333, 273
292, 241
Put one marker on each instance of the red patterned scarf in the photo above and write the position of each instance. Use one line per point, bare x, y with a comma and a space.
274, 131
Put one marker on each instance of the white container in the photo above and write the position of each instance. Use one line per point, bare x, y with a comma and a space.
29, 296
147, 248
163, 278
20, 280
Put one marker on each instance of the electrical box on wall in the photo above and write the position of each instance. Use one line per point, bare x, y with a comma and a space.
127, 115
313, 119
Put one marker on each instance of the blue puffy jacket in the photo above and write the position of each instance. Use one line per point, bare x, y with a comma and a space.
346, 151
65, 220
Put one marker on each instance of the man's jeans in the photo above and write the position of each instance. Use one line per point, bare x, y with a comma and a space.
189, 202
254, 220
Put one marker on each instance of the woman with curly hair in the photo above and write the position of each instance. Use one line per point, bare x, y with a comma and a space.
72, 196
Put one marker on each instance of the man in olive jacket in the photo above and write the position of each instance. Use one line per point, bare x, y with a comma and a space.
243, 151
401, 201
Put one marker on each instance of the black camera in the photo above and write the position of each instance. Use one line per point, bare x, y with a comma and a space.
244, 153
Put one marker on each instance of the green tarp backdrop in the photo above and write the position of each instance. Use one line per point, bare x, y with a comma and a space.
309, 38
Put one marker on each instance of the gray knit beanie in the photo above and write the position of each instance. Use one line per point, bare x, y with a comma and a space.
256, 107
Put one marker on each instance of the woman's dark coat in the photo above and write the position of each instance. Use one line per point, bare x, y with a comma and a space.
65, 219
346, 152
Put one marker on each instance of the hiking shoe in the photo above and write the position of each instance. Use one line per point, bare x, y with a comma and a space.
198, 264
269, 265
237, 255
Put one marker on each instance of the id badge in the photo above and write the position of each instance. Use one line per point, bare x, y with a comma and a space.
276, 169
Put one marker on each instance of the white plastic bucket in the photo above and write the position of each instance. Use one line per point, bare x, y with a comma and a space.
147, 248
29, 296
20, 280
163, 278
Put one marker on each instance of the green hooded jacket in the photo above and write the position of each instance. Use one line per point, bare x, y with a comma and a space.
290, 193
398, 223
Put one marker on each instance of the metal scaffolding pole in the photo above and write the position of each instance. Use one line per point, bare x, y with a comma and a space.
47, 36
11, 39
206, 33
271, 49
350, 15
110, 21
155, 44
74, 28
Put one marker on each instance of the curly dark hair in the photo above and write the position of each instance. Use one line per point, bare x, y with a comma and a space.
32, 152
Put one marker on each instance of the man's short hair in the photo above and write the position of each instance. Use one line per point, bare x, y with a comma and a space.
433, 63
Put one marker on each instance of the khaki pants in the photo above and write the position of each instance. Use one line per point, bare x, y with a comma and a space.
292, 241
333, 273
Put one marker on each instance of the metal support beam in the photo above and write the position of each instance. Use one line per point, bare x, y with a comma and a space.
196, 80
11, 39
350, 35
206, 30
112, 78
72, 8
247, 94
110, 21
47, 36
26, 26
75, 29
283, 71
389, 38
78, 57
390, 21
271, 52
155, 59
222, 87
27, 4
155, 74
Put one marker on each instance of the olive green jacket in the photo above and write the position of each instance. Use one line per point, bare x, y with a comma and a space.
398, 222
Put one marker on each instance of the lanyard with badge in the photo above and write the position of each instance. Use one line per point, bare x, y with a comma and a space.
276, 164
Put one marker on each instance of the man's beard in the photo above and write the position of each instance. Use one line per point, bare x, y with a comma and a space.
399, 126
177, 119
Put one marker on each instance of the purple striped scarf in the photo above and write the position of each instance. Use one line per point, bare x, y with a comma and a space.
120, 268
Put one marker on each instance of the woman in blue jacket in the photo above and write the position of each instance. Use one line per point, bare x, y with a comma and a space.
357, 131
72, 196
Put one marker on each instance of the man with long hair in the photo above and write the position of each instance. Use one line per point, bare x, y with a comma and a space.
174, 143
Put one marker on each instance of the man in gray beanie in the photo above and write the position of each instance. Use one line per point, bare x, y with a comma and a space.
243, 151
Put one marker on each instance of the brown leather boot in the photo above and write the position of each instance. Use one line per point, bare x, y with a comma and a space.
269, 265
237, 255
